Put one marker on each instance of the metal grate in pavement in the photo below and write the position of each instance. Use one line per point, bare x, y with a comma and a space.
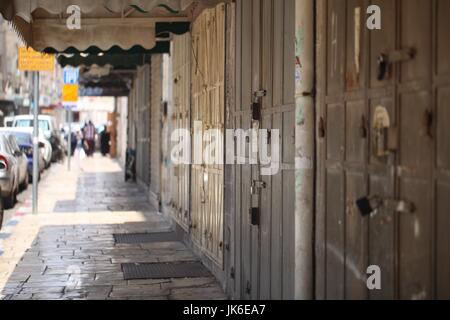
144, 271
135, 238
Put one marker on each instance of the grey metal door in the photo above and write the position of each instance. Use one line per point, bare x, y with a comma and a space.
381, 129
261, 227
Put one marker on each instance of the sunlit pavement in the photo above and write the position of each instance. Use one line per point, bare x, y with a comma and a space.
67, 251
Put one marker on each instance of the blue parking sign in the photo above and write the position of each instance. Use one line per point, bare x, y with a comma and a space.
71, 75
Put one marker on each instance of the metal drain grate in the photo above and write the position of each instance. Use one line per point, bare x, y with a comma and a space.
132, 238
135, 271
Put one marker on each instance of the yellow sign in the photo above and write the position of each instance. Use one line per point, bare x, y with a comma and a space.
70, 93
30, 60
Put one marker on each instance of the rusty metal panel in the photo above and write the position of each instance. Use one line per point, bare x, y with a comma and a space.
356, 53
156, 130
208, 110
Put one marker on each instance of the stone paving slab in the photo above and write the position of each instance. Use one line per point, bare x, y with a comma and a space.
68, 252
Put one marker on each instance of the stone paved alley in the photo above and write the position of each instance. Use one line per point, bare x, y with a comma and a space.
68, 250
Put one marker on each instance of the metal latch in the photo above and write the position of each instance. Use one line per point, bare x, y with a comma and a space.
255, 211
256, 105
371, 205
385, 61
257, 186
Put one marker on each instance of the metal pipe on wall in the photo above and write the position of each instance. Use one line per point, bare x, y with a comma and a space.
304, 149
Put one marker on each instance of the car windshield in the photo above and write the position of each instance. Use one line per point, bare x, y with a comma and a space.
22, 138
28, 123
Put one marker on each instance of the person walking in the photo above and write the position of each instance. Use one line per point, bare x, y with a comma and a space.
105, 138
89, 136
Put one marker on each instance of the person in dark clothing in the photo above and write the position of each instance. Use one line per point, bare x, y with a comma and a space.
73, 142
105, 138
89, 136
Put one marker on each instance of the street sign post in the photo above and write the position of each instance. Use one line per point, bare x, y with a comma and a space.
30, 60
69, 98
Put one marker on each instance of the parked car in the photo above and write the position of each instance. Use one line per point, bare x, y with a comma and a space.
9, 173
8, 121
47, 126
24, 138
22, 162
1, 213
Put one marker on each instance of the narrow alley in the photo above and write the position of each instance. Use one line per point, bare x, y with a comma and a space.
68, 251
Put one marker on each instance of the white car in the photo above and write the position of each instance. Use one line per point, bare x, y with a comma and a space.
47, 127
47, 124
9, 172
46, 151
8, 122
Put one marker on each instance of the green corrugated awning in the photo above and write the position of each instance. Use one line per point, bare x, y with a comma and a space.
120, 60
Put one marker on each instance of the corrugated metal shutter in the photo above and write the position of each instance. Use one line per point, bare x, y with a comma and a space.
208, 66
142, 87
262, 257
156, 129
181, 119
